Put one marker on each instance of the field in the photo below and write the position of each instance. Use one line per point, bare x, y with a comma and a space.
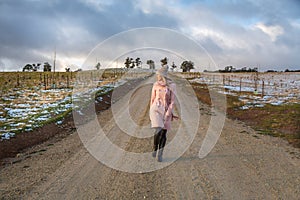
53, 162
29, 100
269, 102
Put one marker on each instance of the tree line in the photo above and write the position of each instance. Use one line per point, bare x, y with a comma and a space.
186, 66
36, 66
233, 69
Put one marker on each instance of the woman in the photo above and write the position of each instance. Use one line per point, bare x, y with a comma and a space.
161, 109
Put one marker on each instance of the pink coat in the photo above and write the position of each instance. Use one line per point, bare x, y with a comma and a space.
162, 104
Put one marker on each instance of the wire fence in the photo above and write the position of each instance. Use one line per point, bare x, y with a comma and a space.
262, 84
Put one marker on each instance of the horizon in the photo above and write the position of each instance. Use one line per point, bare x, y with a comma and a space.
176, 69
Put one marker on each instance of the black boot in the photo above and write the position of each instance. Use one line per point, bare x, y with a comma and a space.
157, 137
154, 153
162, 143
159, 156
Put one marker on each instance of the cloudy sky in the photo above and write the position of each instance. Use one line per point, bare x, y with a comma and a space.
249, 33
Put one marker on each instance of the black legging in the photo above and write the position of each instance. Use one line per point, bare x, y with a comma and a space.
160, 139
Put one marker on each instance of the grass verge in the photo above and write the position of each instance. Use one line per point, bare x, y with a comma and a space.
278, 121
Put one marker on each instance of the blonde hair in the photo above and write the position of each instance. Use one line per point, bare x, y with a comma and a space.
162, 78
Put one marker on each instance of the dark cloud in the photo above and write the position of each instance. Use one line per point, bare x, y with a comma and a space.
72, 27
30, 30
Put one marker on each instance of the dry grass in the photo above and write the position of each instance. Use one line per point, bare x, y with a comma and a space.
279, 121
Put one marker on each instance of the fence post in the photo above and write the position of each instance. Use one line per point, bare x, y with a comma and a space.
223, 80
240, 85
68, 80
256, 80
18, 80
47, 80
41, 79
45, 83
263, 88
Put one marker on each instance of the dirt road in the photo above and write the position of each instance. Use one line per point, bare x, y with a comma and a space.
242, 165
